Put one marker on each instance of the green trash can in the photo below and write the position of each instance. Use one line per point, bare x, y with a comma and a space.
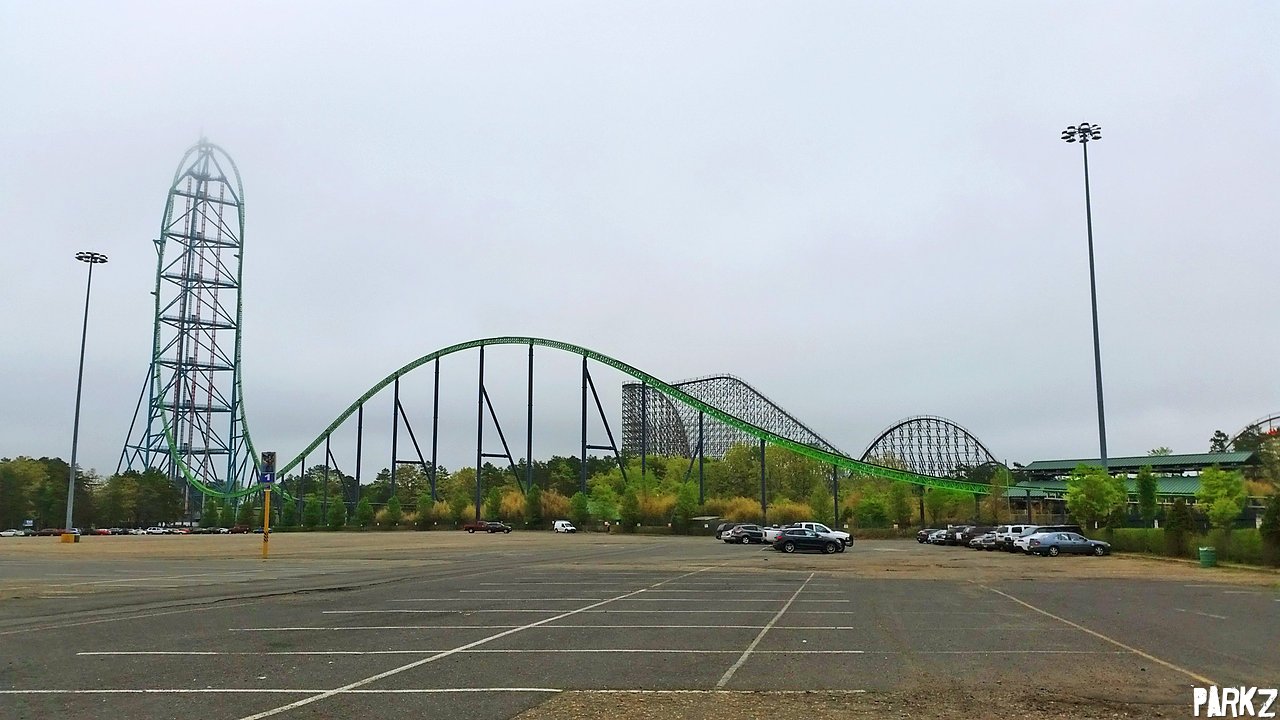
1208, 557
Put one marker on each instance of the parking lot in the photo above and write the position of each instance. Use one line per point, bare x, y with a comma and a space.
533, 625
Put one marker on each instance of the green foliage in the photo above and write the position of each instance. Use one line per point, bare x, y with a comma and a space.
1270, 530
821, 506
533, 507
209, 514
942, 503
364, 513
871, 513
686, 506
337, 514
1223, 494
1178, 528
493, 502
312, 513
629, 510
458, 506
898, 503
1146, 482
288, 513
394, 513
1219, 441
580, 510
603, 503
424, 508
1093, 495
246, 513
1161, 451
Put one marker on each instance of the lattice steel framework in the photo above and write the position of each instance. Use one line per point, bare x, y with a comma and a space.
673, 429
195, 429
928, 445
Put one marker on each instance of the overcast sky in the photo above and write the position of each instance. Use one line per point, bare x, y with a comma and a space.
863, 209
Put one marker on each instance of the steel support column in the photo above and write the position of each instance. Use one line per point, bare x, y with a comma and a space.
359, 447
764, 500
435, 430
528, 457
702, 488
582, 466
479, 427
395, 431
644, 429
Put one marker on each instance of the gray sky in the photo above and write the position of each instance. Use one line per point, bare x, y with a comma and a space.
863, 209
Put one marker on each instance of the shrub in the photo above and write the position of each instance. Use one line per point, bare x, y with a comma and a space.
392, 514
787, 511
656, 508
554, 505
510, 506
741, 509
312, 513
440, 512
580, 509
337, 514
364, 513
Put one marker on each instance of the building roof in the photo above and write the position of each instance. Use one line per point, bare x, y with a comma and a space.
1159, 463
1176, 485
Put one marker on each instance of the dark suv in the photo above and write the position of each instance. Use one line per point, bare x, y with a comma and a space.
745, 533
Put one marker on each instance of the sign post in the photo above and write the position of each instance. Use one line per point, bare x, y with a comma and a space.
267, 478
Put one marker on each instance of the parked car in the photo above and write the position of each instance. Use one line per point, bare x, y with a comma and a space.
11, 533
953, 533
239, 529
489, 526
796, 538
985, 541
563, 526
723, 528
745, 533
1057, 543
771, 532
922, 535
936, 537
973, 531
156, 531
845, 538
1006, 534
1020, 543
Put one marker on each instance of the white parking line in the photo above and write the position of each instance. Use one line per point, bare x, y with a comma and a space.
1202, 614
556, 610
447, 653
639, 599
572, 651
576, 626
59, 626
728, 675
415, 691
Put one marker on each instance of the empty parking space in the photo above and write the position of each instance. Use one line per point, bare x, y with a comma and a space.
496, 641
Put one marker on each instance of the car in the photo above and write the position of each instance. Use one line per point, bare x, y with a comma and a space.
239, 529
153, 530
845, 538
936, 537
772, 532
965, 538
563, 526
15, 533
1069, 543
985, 541
1006, 534
489, 526
796, 538
922, 535
723, 528
1020, 543
745, 533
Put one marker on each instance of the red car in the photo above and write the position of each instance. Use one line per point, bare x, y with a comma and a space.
489, 526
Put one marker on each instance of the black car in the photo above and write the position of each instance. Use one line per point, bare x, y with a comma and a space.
952, 536
745, 533
973, 531
793, 539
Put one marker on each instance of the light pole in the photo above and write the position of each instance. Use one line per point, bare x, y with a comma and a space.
1084, 133
92, 258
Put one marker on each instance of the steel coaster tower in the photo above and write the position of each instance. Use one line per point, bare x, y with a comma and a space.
195, 429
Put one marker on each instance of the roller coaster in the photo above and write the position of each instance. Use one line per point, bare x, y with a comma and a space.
190, 420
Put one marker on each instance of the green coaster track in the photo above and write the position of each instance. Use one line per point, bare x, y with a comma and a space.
841, 461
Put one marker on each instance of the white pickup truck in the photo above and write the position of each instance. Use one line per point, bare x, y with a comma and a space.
771, 534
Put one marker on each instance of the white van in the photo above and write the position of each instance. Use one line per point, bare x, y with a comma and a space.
563, 526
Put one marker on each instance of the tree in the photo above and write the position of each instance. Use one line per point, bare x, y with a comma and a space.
245, 513
1161, 451
604, 503
686, 506
458, 504
820, 505
1270, 530
941, 503
871, 513
312, 513
899, 503
364, 512
1179, 524
394, 512
208, 514
1219, 442
629, 510
493, 502
580, 509
337, 515
288, 513
1093, 494
1223, 493
533, 507
424, 508
1147, 495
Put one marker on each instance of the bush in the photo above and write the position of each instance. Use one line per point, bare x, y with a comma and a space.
787, 511
741, 509
337, 514
1143, 540
440, 512
364, 513
510, 506
391, 515
312, 513
656, 508
554, 505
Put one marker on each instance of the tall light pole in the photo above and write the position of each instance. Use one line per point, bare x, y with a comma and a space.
1084, 133
92, 258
